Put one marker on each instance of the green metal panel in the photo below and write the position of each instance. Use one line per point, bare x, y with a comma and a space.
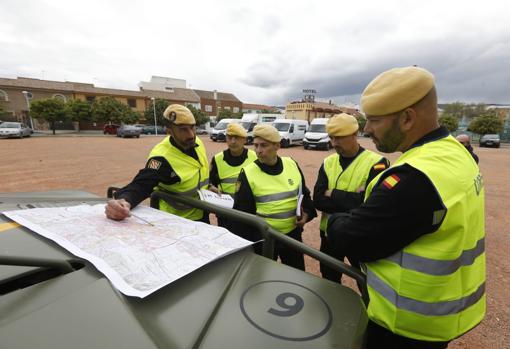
242, 300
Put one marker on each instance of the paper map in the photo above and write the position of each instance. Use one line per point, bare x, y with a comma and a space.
140, 254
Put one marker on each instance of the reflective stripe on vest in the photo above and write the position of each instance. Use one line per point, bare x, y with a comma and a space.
434, 289
228, 174
276, 196
194, 175
350, 179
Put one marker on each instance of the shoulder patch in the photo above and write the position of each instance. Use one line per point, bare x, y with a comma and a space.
380, 167
154, 164
391, 181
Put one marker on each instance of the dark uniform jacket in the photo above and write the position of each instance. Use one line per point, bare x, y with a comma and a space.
341, 200
392, 217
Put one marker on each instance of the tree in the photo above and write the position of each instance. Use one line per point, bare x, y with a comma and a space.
200, 116
161, 105
78, 110
130, 116
108, 109
362, 121
456, 109
267, 111
51, 110
449, 121
486, 124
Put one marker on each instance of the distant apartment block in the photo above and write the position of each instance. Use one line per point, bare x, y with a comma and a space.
212, 102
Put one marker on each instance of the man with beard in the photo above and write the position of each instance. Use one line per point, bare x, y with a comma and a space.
342, 179
420, 232
465, 141
178, 164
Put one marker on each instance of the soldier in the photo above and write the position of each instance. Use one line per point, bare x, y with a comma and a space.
466, 142
420, 232
342, 179
178, 164
270, 188
226, 165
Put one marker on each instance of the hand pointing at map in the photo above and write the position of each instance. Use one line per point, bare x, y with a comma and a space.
117, 209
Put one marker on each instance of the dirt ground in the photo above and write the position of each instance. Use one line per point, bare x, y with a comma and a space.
94, 163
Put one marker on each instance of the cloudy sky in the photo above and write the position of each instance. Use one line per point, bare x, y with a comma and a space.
262, 51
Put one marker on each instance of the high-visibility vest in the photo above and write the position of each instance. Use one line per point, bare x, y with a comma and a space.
350, 179
276, 196
228, 174
434, 288
194, 175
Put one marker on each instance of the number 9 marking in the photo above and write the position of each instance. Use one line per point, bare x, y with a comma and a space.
288, 309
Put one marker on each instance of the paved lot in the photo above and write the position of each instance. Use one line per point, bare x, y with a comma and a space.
94, 163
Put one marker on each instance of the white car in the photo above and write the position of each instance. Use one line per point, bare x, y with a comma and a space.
15, 129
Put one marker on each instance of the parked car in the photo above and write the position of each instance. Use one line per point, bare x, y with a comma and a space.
110, 129
15, 129
151, 130
490, 140
129, 131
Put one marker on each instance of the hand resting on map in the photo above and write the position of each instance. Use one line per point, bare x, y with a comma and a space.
117, 209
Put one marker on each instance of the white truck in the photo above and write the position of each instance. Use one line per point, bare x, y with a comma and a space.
250, 120
292, 131
317, 137
262, 118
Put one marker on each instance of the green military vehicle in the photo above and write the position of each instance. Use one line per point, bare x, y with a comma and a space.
51, 299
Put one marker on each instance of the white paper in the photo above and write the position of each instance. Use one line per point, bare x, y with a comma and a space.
224, 200
139, 255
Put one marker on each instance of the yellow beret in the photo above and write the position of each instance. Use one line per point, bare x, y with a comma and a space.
268, 132
395, 90
179, 115
234, 129
342, 125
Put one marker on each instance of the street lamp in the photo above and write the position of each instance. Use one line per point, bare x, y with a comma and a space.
26, 93
154, 108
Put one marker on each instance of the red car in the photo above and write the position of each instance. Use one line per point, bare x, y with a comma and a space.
110, 129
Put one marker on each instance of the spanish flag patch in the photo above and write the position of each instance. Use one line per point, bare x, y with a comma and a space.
391, 181
380, 167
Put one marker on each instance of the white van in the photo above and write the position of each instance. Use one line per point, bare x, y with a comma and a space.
218, 132
292, 131
262, 118
317, 137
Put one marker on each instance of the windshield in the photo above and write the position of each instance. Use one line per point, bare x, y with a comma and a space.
321, 128
248, 125
221, 126
10, 125
491, 136
281, 126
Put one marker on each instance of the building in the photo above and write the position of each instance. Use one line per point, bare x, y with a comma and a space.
17, 94
162, 83
309, 110
258, 108
212, 102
